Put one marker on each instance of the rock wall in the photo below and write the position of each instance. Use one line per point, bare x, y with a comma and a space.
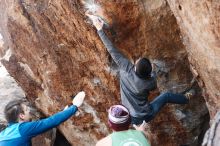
52, 51
200, 26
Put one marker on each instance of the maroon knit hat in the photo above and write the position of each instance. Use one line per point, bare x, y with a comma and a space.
119, 118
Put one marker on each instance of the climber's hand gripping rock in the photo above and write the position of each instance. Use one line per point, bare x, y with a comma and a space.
96, 21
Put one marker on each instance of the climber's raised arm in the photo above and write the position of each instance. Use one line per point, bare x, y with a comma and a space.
117, 56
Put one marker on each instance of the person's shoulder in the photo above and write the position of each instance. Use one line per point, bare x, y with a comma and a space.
107, 141
129, 72
26, 125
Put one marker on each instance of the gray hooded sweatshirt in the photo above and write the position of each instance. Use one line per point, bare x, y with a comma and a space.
134, 90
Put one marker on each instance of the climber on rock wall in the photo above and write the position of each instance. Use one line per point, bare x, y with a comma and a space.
136, 81
119, 121
20, 130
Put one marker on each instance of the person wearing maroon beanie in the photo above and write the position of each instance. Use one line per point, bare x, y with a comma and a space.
119, 121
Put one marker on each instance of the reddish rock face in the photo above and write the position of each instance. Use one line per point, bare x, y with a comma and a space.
55, 53
200, 26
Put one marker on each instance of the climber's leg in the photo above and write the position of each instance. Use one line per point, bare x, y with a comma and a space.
164, 98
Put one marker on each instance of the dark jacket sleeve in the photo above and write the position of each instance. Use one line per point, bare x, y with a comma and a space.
31, 129
117, 56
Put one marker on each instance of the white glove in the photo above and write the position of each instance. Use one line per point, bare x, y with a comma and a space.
78, 99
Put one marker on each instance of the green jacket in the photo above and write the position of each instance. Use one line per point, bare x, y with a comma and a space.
129, 138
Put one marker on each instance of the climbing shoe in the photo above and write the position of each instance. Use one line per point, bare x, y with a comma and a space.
189, 94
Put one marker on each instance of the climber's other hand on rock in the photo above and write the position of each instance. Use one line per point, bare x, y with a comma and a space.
99, 12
